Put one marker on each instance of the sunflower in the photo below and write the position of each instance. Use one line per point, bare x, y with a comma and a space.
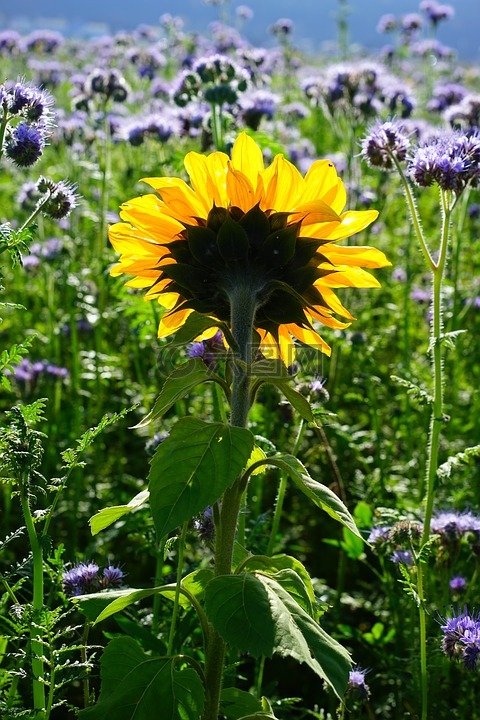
269, 230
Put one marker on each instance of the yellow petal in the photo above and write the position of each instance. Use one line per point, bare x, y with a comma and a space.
247, 157
349, 277
283, 185
315, 211
172, 321
208, 178
332, 300
356, 255
180, 200
309, 337
240, 189
352, 222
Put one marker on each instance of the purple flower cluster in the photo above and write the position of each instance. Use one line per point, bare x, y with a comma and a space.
30, 107
451, 160
61, 199
85, 578
386, 142
461, 638
204, 525
28, 372
364, 89
159, 126
100, 86
455, 525
47, 250
436, 12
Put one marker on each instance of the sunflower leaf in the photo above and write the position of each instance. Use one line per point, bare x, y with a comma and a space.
182, 380
255, 614
193, 467
135, 685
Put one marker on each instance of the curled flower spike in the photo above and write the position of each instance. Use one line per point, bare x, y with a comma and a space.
268, 232
461, 637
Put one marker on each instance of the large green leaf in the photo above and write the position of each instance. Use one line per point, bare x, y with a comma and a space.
235, 703
319, 494
99, 606
238, 606
136, 686
255, 614
193, 467
182, 380
272, 565
107, 516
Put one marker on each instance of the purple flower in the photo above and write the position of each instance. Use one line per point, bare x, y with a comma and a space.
25, 144
208, 350
379, 534
419, 295
454, 524
411, 22
244, 12
402, 556
387, 23
386, 141
204, 525
282, 27
461, 638
436, 12
62, 198
112, 576
81, 579
458, 584
356, 683
451, 160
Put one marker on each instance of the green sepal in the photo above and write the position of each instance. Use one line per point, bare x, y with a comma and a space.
279, 247
232, 242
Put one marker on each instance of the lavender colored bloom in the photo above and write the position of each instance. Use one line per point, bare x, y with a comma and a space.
81, 579
451, 160
282, 27
399, 275
411, 22
387, 23
436, 12
208, 350
461, 640
379, 534
402, 556
473, 211
454, 524
466, 113
25, 145
28, 372
258, 104
445, 95
29, 101
385, 142
419, 295
244, 12
62, 200
9, 42
458, 584
356, 683
43, 41
112, 576
204, 525
431, 46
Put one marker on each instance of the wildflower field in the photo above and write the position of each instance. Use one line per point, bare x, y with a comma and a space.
240, 309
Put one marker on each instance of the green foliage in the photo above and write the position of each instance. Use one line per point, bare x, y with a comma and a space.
135, 686
455, 461
182, 381
104, 518
255, 614
192, 468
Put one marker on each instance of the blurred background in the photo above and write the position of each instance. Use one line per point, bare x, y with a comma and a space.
315, 20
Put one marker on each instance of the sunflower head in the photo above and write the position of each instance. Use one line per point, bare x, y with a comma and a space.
268, 231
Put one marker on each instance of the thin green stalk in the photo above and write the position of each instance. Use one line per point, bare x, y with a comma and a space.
3, 127
176, 602
37, 605
158, 581
259, 677
36, 212
422, 620
86, 681
243, 307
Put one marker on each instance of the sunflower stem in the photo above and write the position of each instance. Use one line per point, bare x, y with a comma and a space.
243, 307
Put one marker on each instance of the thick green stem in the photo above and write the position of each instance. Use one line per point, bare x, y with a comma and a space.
243, 307
37, 605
